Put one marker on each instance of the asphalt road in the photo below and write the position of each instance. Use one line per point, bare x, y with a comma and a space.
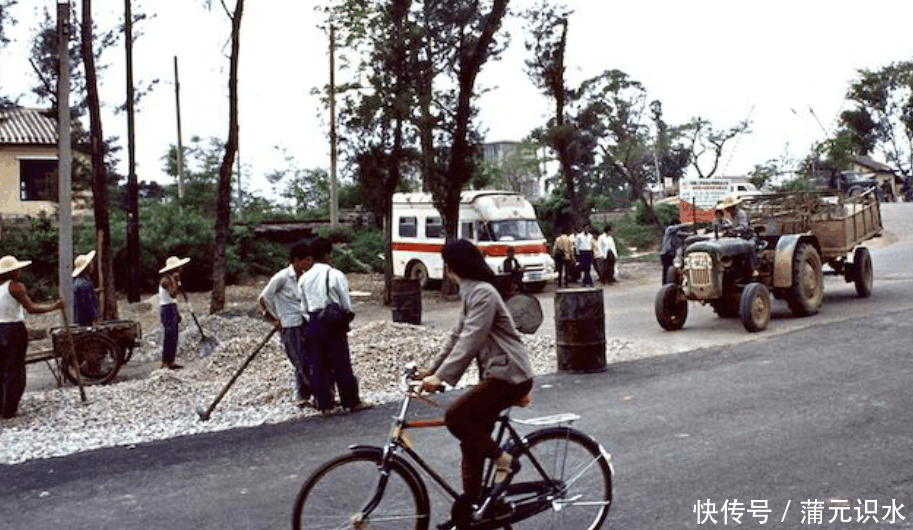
813, 409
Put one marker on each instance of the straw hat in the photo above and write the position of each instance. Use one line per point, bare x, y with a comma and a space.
729, 202
10, 264
81, 262
172, 263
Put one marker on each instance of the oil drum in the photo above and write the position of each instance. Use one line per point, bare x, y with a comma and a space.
406, 300
580, 330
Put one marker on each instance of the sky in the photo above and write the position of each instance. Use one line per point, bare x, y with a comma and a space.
785, 65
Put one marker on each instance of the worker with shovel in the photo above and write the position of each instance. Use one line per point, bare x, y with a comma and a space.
169, 288
280, 303
14, 303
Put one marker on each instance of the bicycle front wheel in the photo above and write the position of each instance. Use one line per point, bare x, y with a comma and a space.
335, 495
580, 493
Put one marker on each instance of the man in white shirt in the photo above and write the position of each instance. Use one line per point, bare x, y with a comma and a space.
328, 348
608, 255
280, 303
584, 243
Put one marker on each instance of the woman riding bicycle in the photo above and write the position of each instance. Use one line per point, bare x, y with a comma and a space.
485, 333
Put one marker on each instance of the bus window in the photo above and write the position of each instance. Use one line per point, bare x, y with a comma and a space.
434, 228
407, 226
466, 231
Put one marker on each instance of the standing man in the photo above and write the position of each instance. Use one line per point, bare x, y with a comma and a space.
169, 288
328, 347
14, 340
512, 267
563, 252
584, 244
608, 254
85, 300
280, 303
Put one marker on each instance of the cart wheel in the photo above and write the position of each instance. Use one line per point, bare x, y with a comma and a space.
863, 276
99, 358
807, 291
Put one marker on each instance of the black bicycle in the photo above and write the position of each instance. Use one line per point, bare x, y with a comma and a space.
565, 480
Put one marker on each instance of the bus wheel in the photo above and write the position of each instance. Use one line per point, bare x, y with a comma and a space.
418, 271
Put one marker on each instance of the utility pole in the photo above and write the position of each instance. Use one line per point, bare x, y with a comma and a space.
132, 188
334, 200
64, 157
180, 147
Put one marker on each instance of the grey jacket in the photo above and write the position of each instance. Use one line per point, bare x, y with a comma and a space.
486, 333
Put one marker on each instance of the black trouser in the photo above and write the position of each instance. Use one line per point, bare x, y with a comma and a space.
608, 271
472, 417
667, 262
14, 342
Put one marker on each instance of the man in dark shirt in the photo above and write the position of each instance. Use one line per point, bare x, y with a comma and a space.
85, 301
512, 267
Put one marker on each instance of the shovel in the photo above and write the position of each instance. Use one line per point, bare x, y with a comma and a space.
204, 414
74, 362
207, 344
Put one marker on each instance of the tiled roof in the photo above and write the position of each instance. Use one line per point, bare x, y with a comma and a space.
22, 126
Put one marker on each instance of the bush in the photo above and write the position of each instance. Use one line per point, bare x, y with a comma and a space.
368, 246
37, 241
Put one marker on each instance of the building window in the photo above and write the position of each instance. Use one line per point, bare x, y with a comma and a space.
407, 226
38, 180
434, 228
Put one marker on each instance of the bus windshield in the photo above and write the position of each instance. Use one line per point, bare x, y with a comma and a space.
510, 230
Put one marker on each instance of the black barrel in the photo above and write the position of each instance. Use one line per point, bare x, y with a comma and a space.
580, 330
406, 295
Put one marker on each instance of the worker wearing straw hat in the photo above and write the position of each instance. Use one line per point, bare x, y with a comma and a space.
14, 301
737, 216
169, 288
85, 301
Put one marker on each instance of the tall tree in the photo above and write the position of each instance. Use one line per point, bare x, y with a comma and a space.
708, 143
477, 45
99, 169
616, 110
5, 18
379, 117
881, 123
547, 44
223, 204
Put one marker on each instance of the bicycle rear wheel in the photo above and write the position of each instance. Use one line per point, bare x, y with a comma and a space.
334, 495
579, 468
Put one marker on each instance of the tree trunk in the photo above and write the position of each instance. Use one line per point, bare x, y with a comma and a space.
99, 171
223, 207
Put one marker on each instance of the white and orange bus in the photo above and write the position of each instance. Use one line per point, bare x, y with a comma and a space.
493, 220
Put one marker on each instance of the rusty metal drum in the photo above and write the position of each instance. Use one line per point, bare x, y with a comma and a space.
580, 330
406, 300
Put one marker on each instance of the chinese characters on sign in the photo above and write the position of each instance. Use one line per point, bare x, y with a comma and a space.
809, 512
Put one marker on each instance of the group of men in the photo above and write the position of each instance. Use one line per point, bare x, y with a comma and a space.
576, 253
294, 300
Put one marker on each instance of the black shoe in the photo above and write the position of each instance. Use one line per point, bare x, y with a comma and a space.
172, 366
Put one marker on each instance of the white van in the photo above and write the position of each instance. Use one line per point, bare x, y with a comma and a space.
493, 220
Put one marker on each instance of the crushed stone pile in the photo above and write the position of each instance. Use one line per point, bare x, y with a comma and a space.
163, 405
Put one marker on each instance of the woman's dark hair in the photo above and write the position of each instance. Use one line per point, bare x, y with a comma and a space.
467, 261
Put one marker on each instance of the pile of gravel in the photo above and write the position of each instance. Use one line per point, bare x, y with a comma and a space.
163, 405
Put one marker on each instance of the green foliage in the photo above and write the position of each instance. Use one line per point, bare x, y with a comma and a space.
665, 213
36, 241
340, 234
368, 246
